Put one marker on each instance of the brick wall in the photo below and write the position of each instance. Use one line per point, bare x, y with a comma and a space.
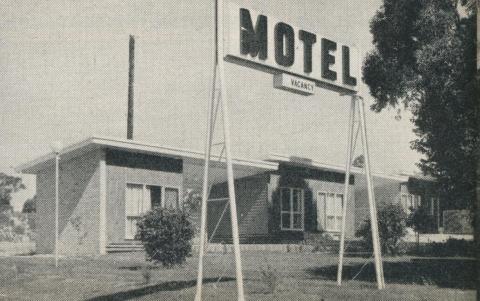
79, 206
137, 171
318, 207
252, 208
387, 191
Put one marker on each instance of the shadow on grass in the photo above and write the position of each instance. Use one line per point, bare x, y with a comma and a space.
445, 273
164, 286
139, 267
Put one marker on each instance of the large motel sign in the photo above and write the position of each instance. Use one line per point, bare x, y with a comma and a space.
301, 61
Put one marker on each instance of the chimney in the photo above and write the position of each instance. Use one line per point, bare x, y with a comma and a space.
131, 67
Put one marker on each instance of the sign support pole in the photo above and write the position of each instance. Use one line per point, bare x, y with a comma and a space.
57, 179
371, 198
228, 154
205, 190
351, 126
223, 101
370, 190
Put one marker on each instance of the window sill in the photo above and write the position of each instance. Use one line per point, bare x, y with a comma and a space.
293, 230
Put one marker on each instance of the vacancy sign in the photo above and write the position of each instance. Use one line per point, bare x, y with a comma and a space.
299, 57
293, 84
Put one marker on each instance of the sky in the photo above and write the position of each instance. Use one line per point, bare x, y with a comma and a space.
64, 76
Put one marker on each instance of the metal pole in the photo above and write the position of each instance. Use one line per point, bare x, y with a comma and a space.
345, 192
228, 155
371, 199
208, 146
205, 190
131, 75
57, 159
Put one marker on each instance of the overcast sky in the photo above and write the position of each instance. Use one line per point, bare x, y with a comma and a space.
64, 72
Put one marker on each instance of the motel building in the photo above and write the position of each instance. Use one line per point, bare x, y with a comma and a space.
106, 184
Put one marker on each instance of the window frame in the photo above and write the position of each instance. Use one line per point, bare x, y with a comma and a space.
414, 199
335, 194
164, 188
411, 199
291, 212
127, 235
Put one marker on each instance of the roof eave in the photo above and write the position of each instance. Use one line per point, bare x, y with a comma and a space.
95, 142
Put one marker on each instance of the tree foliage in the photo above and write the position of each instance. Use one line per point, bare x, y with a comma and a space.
392, 227
419, 220
424, 59
30, 205
166, 235
8, 185
359, 161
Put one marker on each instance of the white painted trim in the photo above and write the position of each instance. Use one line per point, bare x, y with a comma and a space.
325, 212
302, 203
125, 216
51, 156
131, 145
218, 199
179, 190
103, 205
324, 226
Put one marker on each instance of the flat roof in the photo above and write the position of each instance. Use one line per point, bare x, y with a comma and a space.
98, 142
307, 162
193, 158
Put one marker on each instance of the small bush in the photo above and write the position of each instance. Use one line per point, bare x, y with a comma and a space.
420, 221
19, 229
321, 242
450, 248
166, 235
271, 278
14, 227
391, 227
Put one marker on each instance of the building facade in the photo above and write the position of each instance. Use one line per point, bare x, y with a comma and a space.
282, 206
107, 184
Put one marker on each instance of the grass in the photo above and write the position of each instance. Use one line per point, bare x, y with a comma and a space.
304, 276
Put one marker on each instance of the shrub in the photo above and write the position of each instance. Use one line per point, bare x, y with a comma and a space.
166, 235
450, 248
419, 220
271, 278
391, 227
14, 227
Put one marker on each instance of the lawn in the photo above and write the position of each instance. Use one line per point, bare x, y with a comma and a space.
300, 276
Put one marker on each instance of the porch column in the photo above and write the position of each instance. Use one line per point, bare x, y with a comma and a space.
102, 234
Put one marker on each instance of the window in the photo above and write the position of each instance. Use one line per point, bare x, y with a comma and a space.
141, 198
409, 200
291, 215
434, 206
155, 195
418, 201
137, 202
171, 198
333, 210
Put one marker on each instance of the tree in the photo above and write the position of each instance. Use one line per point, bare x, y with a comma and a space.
8, 185
424, 59
30, 205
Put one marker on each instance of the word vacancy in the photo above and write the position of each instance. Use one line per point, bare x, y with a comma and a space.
277, 46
